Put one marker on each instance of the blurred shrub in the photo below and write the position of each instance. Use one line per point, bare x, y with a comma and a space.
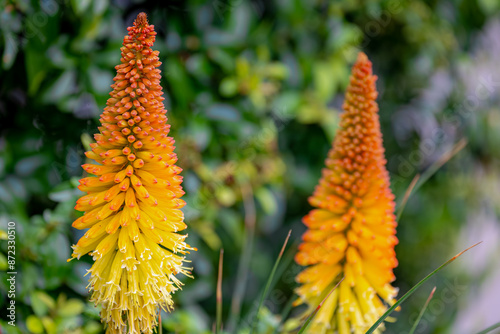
254, 90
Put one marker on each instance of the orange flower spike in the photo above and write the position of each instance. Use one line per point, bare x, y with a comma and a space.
352, 226
132, 277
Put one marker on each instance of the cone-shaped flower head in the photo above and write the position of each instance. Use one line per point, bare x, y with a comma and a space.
351, 231
132, 206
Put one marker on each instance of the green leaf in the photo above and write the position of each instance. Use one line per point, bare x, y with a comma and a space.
228, 87
277, 71
284, 105
34, 324
324, 81
36, 68
71, 308
93, 327
62, 87
46, 299
330, 123
80, 6
182, 90
41, 303
267, 200
30, 276
225, 195
49, 325
489, 7
100, 6
209, 236
3, 262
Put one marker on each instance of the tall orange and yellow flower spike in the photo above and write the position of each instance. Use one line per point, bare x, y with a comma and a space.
132, 206
351, 231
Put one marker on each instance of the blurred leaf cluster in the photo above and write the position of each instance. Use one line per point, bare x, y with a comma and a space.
254, 90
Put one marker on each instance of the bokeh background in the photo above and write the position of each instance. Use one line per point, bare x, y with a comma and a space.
254, 91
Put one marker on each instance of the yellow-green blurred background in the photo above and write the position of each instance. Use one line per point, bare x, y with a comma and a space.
254, 91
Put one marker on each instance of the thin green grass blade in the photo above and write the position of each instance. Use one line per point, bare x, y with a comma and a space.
413, 289
218, 311
311, 316
422, 311
420, 180
489, 329
268, 284
245, 257
441, 161
426, 175
287, 258
285, 262
407, 196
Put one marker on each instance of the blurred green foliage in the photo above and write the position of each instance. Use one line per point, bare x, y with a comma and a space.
254, 90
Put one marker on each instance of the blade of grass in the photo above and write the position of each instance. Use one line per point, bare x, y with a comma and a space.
287, 258
413, 289
489, 329
419, 180
311, 316
268, 284
245, 258
407, 196
219, 294
440, 162
422, 311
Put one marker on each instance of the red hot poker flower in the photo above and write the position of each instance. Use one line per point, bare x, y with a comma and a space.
132, 206
351, 231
